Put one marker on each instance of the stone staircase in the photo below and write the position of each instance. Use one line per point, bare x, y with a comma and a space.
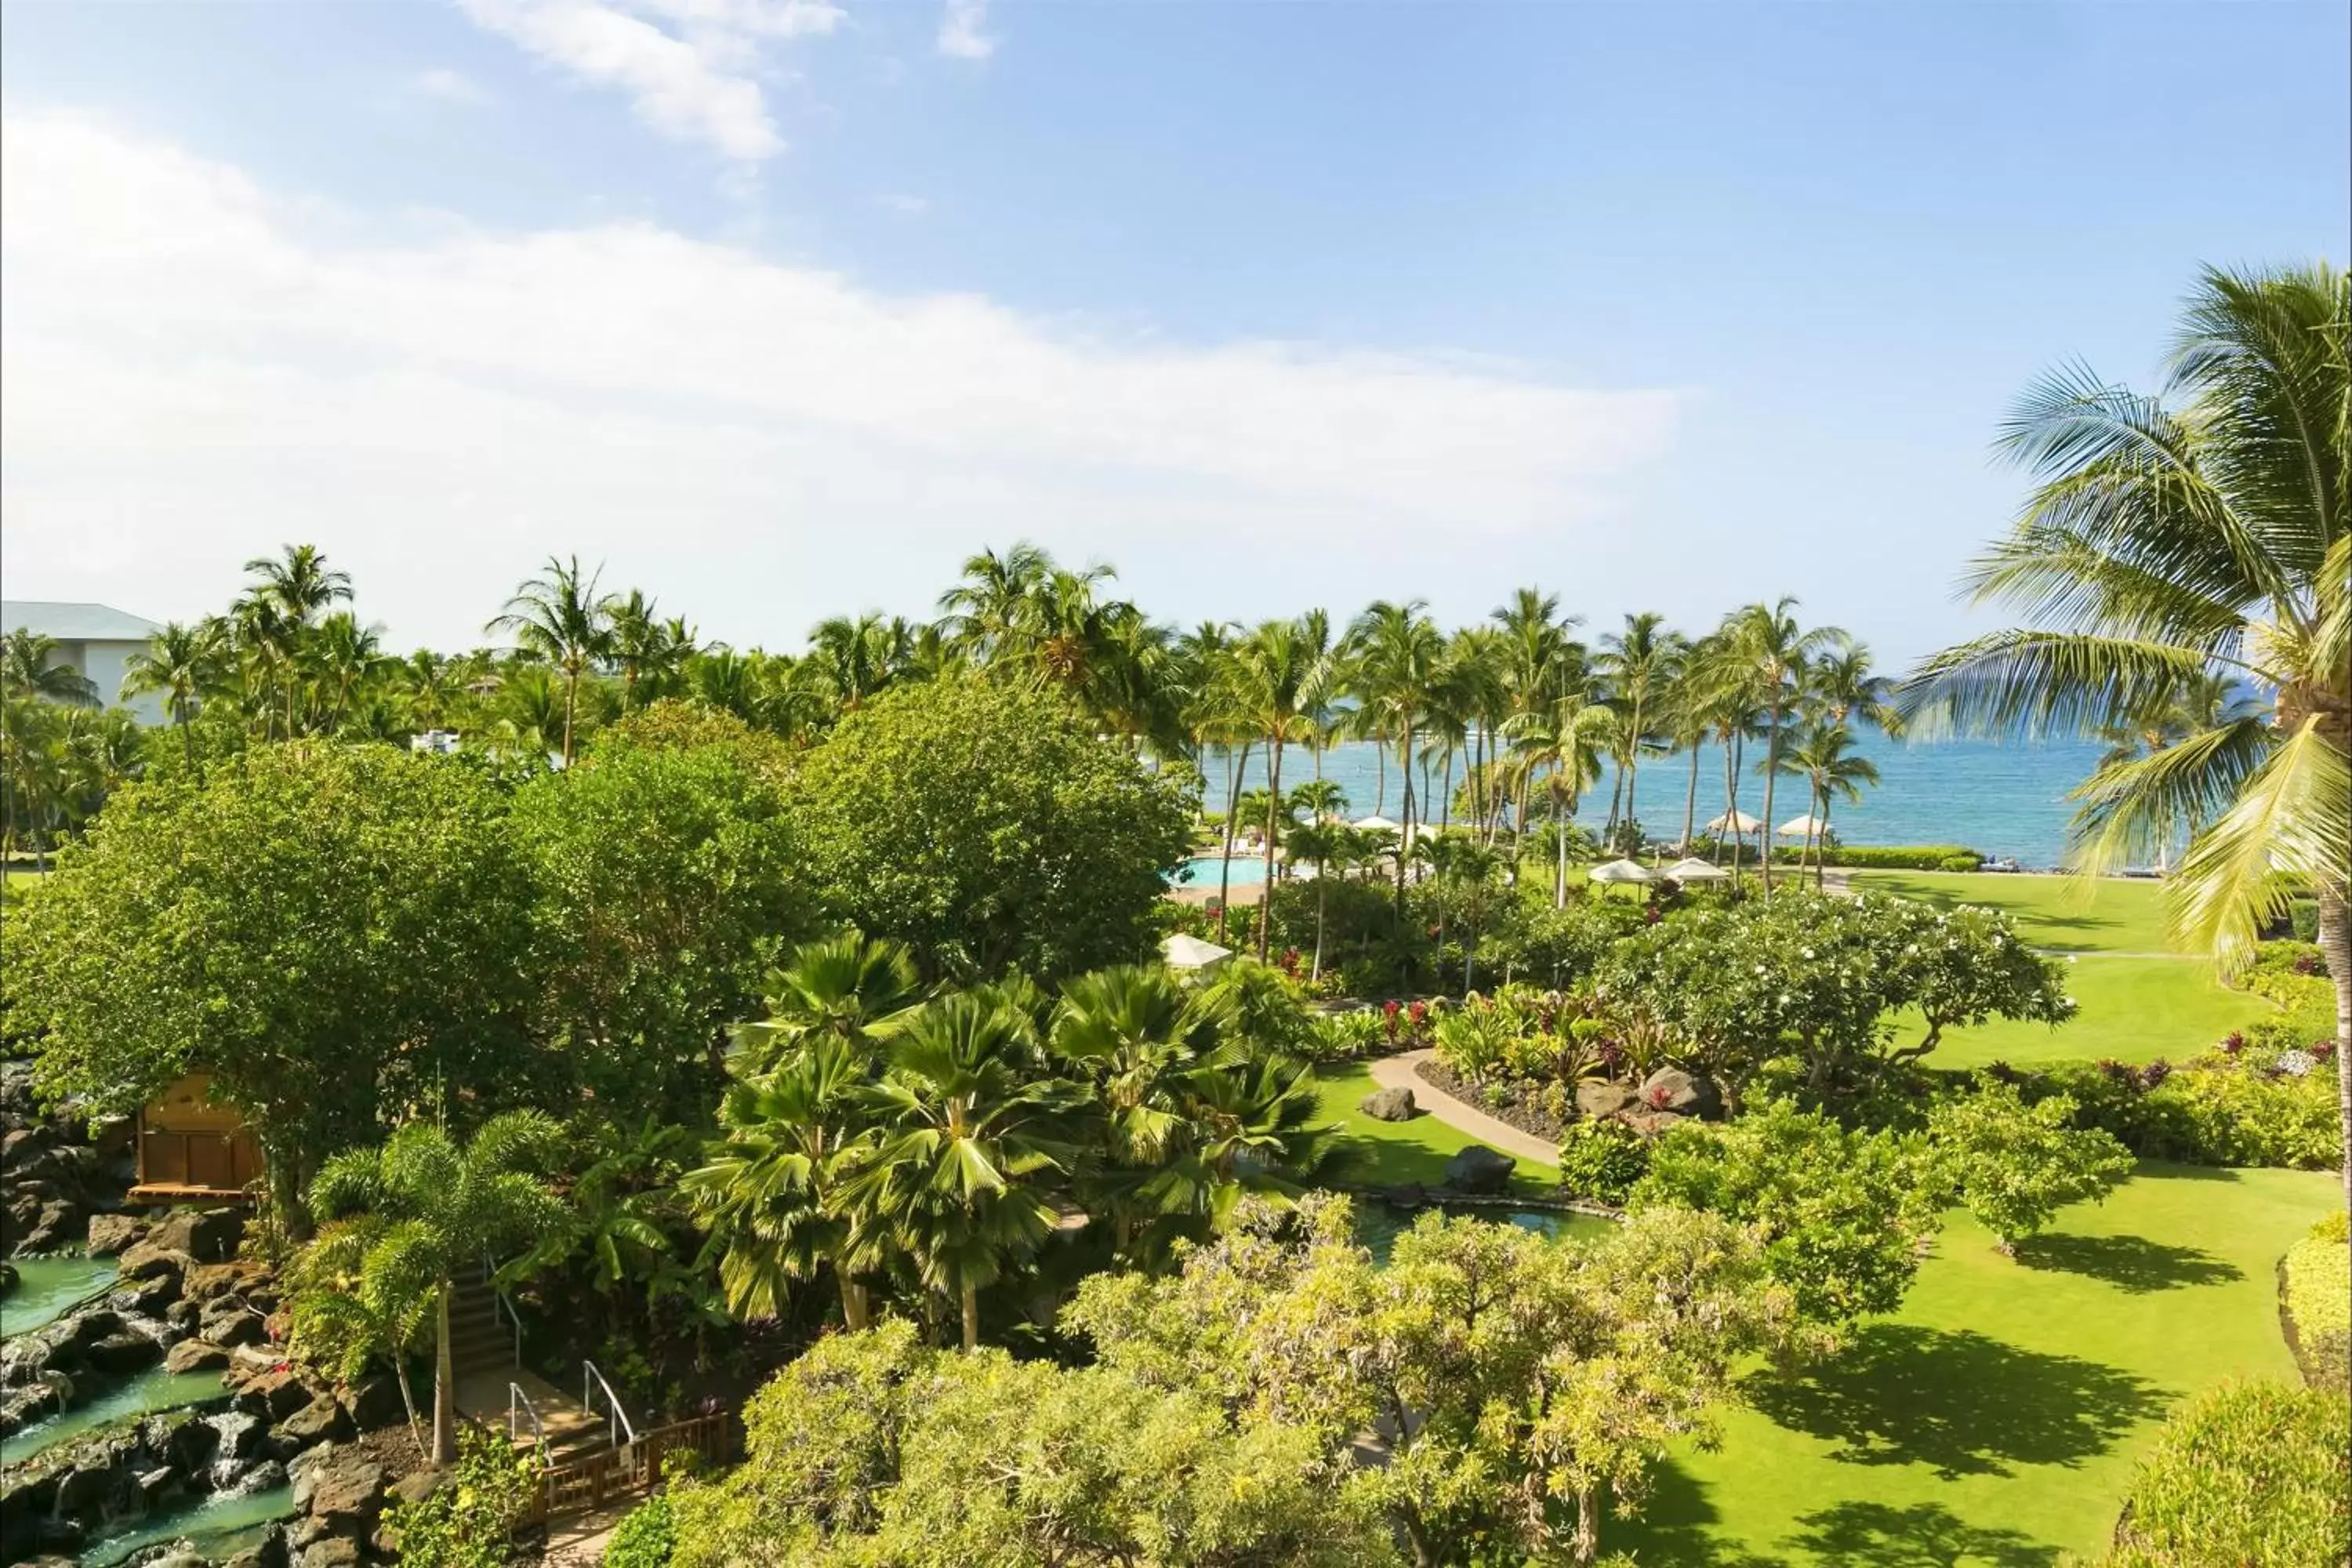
482, 1349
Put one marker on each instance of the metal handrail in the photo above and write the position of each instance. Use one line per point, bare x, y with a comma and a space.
499, 1303
515, 1395
591, 1379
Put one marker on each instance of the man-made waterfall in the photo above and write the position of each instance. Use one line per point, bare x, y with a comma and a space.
143, 1395
218, 1526
48, 1286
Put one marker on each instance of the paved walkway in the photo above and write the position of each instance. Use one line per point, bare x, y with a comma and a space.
1397, 1072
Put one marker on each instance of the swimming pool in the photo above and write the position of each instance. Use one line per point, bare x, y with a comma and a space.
1201, 872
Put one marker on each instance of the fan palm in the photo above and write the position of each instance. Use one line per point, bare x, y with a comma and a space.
774, 1192
849, 988
437, 1211
559, 616
2165, 542
967, 1124
1129, 1033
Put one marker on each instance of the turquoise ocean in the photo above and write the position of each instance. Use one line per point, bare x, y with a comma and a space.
2001, 800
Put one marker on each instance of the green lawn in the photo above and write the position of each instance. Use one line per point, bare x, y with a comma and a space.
1390, 1154
1995, 1421
2065, 914
2133, 1009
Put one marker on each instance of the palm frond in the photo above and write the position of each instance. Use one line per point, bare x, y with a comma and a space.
2290, 827
2040, 682
2135, 809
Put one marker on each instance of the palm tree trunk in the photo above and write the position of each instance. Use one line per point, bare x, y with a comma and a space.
1239, 760
1322, 877
853, 1299
408, 1402
1771, 775
971, 1319
1822, 855
1731, 809
1559, 870
1690, 802
2335, 946
1404, 834
1272, 815
445, 1384
570, 701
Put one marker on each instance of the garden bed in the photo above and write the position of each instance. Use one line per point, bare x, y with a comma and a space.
1522, 1109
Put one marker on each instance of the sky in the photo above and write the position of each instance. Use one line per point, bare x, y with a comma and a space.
779, 309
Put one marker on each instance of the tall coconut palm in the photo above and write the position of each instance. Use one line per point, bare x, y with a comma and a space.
2202, 704
968, 1124
288, 595
1639, 664
181, 664
1538, 659
440, 1210
1822, 755
1841, 684
559, 616
1776, 649
1562, 745
1278, 681
1396, 650
2207, 529
983, 612
342, 657
775, 1193
647, 650
29, 667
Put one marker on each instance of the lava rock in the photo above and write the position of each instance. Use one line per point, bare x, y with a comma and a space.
1389, 1105
227, 1321
374, 1401
194, 1356
276, 1393
334, 1552
268, 1552
113, 1233
236, 1278
124, 1350
1479, 1171
1651, 1123
146, 1297
321, 1421
150, 1259
207, 1236
1683, 1093
1599, 1097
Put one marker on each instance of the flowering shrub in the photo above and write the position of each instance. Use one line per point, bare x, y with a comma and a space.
2222, 1109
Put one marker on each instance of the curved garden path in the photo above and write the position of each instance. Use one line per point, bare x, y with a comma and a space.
1398, 1072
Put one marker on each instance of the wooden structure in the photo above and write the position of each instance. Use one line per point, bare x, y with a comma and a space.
191, 1149
581, 1485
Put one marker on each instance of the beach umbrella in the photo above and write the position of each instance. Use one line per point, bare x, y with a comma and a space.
1375, 824
1801, 827
1695, 871
1620, 871
1183, 952
1739, 820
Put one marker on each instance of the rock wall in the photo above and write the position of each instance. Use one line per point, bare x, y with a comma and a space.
54, 1174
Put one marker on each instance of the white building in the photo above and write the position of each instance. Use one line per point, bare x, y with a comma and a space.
95, 639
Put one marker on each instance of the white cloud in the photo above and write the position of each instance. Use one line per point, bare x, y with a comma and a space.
961, 31
902, 204
451, 86
690, 68
192, 376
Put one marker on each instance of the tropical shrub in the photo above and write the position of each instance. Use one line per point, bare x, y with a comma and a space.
1841, 1212
1602, 1160
2317, 1281
2233, 1108
644, 1539
1868, 856
470, 1523
2247, 1473
1347, 1037
2014, 1165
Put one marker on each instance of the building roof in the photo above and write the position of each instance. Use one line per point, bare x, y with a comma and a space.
74, 623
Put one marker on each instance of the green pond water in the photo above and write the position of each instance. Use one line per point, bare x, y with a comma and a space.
46, 1286
217, 1527
144, 1395
1378, 1225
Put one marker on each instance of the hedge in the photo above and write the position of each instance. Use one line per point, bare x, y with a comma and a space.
2317, 1281
1866, 857
2222, 1109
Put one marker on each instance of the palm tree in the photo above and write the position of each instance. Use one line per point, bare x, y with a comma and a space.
342, 655
1639, 664
985, 610
2163, 543
26, 669
1395, 651
1776, 649
1538, 661
967, 1120
1278, 681
288, 593
645, 649
1823, 757
849, 988
1322, 844
1562, 744
1131, 1032
346, 1314
775, 1194
2201, 703
1841, 685
180, 663
559, 616
432, 686
440, 1212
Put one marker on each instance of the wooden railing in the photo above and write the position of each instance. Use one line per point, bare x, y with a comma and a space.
584, 1484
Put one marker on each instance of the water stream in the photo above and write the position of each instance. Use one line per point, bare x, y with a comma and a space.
46, 1286
144, 1395
1378, 1225
218, 1526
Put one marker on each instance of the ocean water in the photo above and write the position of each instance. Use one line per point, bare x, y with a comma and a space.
2001, 800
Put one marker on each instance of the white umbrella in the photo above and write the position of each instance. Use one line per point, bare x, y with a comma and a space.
1801, 827
1376, 824
1183, 952
1620, 871
1695, 871
1739, 820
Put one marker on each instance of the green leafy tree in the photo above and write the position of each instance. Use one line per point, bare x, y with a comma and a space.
990, 828
2014, 1165
335, 933
2168, 537
441, 1211
1842, 1213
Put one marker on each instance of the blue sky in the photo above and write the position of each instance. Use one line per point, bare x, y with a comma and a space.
778, 308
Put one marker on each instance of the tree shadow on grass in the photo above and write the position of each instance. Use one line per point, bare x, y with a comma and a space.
1676, 1527
1924, 1535
1965, 1404
2131, 1263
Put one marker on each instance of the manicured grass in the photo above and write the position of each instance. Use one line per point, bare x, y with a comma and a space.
2064, 914
1390, 1154
1996, 1420
2133, 1009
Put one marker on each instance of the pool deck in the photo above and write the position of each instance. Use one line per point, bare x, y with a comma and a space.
1244, 894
